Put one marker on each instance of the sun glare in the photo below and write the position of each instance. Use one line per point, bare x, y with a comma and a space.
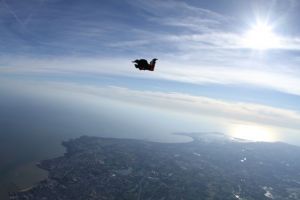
253, 133
261, 37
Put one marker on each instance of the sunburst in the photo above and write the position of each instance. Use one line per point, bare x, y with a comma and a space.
261, 37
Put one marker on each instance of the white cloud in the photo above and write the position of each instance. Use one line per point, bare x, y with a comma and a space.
178, 102
199, 28
248, 73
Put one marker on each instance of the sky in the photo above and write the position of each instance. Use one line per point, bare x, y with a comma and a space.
235, 60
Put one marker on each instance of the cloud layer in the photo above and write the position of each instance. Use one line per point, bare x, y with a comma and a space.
259, 75
172, 101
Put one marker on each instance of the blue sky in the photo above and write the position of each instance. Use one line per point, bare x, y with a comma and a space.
200, 45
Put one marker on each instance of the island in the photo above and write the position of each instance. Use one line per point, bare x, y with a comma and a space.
210, 167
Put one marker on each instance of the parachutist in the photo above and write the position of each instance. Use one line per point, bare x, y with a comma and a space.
143, 64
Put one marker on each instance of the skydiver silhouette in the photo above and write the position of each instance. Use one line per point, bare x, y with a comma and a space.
142, 64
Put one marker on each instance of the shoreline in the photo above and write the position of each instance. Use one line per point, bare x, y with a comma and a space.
91, 161
28, 174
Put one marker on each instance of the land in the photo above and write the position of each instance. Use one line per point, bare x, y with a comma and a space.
212, 166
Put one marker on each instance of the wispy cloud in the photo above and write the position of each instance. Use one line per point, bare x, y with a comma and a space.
177, 102
96, 27
249, 73
199, 29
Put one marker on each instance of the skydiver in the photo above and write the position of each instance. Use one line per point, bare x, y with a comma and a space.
142, 64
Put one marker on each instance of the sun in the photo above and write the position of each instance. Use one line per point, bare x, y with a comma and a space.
261, 37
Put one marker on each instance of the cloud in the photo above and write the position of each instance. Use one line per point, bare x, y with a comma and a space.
201, 29
250, 73
181, 14
58, 27
176, 102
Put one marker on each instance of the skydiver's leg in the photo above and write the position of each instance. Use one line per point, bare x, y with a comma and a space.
149, 67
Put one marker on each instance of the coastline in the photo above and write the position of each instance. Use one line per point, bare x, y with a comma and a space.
91, 162
28, 174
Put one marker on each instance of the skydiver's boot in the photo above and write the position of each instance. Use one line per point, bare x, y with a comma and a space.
151, 67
